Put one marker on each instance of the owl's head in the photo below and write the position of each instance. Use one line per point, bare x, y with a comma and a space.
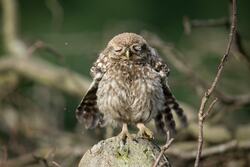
128, 46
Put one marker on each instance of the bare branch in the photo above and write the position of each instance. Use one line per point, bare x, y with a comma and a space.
211, 151
47, 74
10, 39
57, 13
39, 154
237, 48
41, 159
174, 56
42, 45
56, 164
189, 24
165, 147
216, 79
4, 156
204, 116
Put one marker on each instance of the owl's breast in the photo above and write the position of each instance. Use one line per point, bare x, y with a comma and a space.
130, 93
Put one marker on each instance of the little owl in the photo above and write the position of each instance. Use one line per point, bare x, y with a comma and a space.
130, 87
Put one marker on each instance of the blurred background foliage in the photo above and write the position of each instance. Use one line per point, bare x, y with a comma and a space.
79, 29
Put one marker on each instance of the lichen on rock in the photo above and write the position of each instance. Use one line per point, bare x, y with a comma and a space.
114, 152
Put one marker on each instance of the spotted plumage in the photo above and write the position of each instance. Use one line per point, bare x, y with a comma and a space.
129, 86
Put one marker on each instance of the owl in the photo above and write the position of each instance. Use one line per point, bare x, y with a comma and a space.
130, 87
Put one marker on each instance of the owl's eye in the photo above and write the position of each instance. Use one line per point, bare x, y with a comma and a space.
137, 48
118, 49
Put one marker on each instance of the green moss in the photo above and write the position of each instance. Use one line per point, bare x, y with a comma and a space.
122, 152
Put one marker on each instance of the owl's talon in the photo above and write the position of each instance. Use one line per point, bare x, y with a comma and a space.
124, 135
144, 131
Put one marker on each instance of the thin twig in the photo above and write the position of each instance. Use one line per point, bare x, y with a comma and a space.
42, 45
57, 13
9, 23
56, 164
220, 149
209, 108
49, 74
28, 159
214, 83
5, 156
188, 24
165, 147
41, 159
174, 56
240, 49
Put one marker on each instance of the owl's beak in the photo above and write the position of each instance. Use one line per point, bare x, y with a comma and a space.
128, 54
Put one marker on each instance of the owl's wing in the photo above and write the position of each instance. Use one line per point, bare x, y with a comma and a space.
158, 64
164, 119
88, 112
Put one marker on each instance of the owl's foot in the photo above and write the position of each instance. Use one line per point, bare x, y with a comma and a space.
144, 131
124, 133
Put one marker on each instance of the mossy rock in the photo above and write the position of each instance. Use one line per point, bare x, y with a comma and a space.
114, 152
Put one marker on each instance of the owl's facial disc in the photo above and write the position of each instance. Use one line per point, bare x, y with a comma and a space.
134, 51
136, 48
118, 49
129, 54
138, 51
122, 52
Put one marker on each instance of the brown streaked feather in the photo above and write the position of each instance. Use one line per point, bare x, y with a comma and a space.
173, 104
164, 120
158, 64
88, 112
130, 86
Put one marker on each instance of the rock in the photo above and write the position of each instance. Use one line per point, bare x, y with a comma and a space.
114, 152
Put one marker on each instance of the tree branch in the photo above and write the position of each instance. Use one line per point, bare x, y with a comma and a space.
10, 38
43, 46
189, 24
165, 147
211, 151
214, 83
40, 155
57, 13
47, 74
174, 56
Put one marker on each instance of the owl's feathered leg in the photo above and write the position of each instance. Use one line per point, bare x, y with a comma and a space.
124, 133
144, 131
